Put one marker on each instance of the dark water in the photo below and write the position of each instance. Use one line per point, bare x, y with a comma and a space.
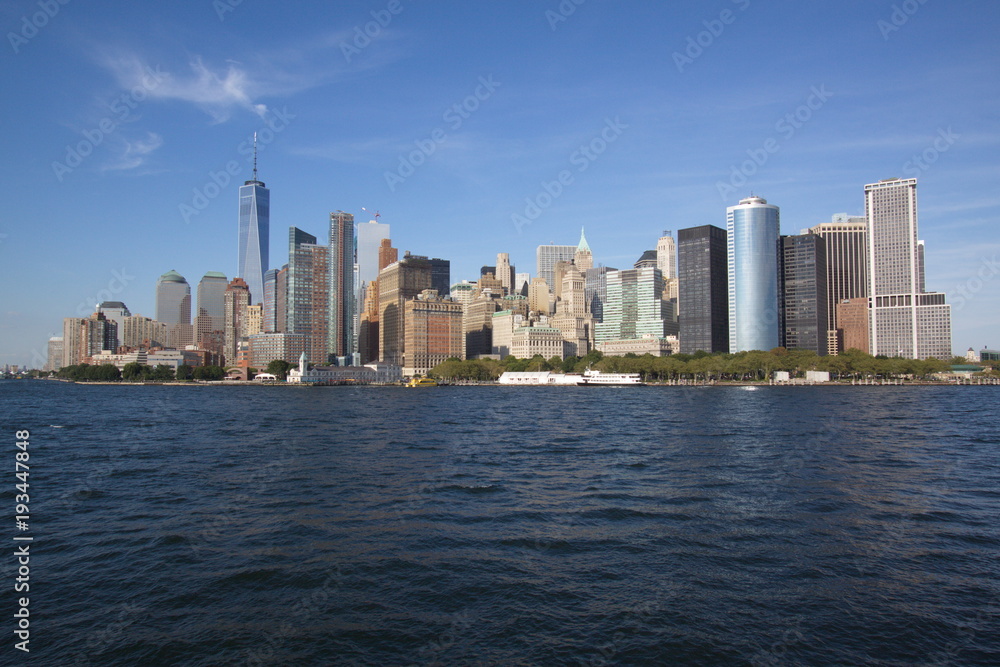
509, 526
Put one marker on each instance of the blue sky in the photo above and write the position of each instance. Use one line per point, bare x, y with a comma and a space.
668, 100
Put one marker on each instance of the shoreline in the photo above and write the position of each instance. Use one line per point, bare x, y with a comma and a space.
991, 382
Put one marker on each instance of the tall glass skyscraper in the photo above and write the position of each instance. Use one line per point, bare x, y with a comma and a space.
752, 231
702, 269
173, 299
370, 237
212, 300
341, 331
255, 225
173, 308
804, 293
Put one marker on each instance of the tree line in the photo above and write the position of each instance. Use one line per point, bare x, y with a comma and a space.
752, 366
136, 372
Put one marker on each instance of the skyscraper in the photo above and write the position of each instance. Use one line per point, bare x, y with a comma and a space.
173, 308
254, 230
505, 272
905, 320
236, 303
386, 254
702, 268
572, 316
752, 230
546, 257
211, 315
596, 290
846, 269
84, 337
116, 311
803, 293
433, 332
440, 275
397, 283
370, 237
635, 307
666, 255
583, 258
307, 302
341, 290
270, 301
538, 296
55, 357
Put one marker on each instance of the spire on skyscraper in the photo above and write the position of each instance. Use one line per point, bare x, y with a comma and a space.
583, 246
255, 156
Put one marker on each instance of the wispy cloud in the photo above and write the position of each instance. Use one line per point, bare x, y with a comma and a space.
218, 91
135, 153
222, 89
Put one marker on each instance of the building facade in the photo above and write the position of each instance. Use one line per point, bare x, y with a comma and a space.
803, 271
433, 332
54, 359
173, 308
529, 341
307, 300
904, 320
846, 241
852, 324
237, 302
254, 234
398, 283
752, 230
341, 288
139, 331
116, 311
268, 347
211, 308
666, 255
703, 289
635, 307
546, 257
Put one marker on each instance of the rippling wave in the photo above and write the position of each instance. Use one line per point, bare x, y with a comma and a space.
512, 526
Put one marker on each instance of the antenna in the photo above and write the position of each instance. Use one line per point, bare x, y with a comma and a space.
255, 156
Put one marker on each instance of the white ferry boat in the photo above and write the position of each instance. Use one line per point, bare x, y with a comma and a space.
599, 379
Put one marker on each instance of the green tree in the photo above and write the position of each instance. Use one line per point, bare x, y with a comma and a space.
279, 368
133, 372
163, 373
183, 373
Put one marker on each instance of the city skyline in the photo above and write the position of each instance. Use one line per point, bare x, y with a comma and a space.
157, 190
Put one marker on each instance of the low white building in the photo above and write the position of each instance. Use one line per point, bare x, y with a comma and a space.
119, 360
539, 377
374, 373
